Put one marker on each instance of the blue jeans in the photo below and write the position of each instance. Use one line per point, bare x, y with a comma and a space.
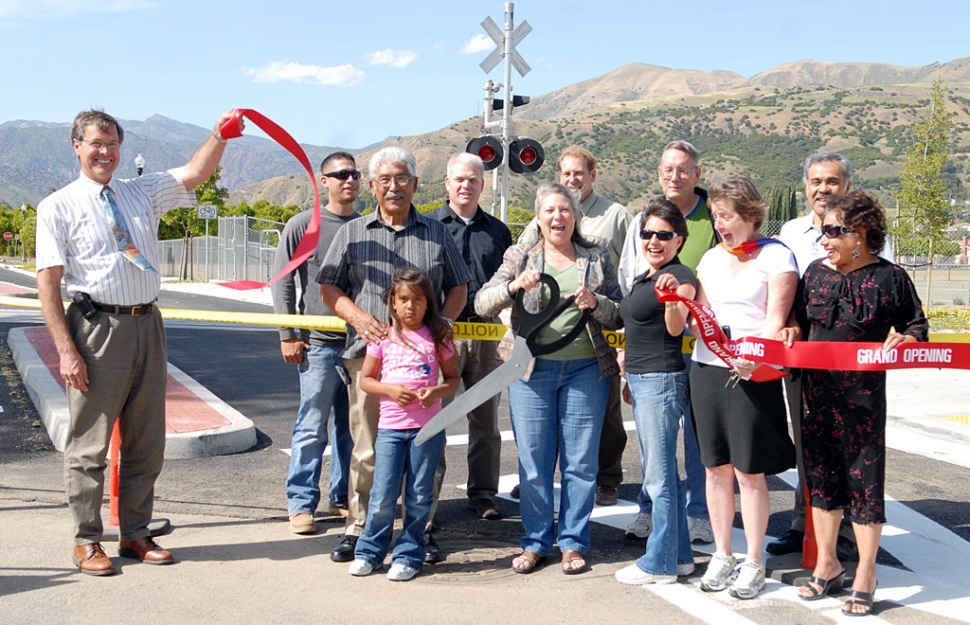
659, 401
398, 459
694, 471
560, 409
320, 389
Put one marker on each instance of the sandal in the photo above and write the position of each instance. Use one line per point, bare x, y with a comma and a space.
573, 562
528, 562
864, 599
820, 587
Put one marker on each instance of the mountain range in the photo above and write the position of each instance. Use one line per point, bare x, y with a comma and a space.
761, 126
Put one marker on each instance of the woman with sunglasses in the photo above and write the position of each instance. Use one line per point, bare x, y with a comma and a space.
850, 295
742, 428
657, 384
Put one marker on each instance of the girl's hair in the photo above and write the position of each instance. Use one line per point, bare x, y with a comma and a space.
418, 280
666, 210
860, 210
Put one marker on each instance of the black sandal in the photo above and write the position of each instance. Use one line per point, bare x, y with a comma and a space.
833, 586
865, 599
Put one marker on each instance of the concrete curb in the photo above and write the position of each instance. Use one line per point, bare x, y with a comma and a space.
51, 402
48, 397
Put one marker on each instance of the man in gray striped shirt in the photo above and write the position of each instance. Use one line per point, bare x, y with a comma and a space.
111, 341
356, 271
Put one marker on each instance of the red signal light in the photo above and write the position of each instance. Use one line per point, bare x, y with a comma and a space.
489, 149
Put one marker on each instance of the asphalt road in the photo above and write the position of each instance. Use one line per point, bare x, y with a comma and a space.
243, 367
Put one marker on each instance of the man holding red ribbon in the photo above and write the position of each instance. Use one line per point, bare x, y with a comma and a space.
111, 342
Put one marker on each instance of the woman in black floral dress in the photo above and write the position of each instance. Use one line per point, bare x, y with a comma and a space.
851, 295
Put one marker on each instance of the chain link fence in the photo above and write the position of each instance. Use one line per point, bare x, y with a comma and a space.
202, 262
247, 247
244, 250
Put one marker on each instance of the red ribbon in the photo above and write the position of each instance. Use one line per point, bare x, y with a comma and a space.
856, 356
714, 338
308, 243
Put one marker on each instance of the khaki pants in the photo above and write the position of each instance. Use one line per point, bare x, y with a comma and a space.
363, 417
127, 363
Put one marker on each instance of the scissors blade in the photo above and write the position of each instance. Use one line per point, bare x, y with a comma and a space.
486, 388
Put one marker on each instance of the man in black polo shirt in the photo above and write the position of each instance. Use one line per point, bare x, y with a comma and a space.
481, 239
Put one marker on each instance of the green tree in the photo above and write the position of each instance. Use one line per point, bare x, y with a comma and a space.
184, 222
923, 200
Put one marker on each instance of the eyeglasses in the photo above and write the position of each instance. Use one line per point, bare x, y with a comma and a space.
831, 231
343, 174
97, 145
663, 235
670, 174
402, 180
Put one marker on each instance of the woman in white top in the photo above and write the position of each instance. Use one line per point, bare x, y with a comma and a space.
749, 282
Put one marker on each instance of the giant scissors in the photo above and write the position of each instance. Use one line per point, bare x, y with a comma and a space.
527, 347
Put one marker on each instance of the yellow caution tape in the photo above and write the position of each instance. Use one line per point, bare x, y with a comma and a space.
462, 330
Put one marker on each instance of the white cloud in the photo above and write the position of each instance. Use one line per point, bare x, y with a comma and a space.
276, 71
401, 58
57, 9
478, 43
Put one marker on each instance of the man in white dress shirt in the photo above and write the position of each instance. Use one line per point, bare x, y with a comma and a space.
99, 234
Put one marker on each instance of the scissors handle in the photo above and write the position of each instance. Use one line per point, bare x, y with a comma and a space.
531, 324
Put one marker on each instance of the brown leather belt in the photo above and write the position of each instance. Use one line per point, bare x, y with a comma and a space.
135, 311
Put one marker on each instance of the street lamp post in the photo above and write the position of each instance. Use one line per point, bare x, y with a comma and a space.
23, 242
139, 163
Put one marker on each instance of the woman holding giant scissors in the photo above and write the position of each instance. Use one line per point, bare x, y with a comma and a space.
557, 407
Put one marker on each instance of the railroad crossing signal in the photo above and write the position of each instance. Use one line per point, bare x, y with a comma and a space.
493, 31
518, 154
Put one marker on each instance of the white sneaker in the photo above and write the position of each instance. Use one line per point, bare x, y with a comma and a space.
683, 570
750, 581
402, 571
641, 527
700, 530
361, 568
719, 572
635, 576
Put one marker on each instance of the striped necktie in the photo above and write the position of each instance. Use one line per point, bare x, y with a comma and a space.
116, 221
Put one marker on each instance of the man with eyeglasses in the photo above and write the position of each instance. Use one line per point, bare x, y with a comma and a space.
605, 223
826, 174
679, 172
355, 273
316, 353
482, 240
100, 234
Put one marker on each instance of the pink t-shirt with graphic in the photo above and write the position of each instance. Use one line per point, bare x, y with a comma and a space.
415, 365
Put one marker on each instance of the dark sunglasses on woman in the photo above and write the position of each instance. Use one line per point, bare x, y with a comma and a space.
831, 231
663, 235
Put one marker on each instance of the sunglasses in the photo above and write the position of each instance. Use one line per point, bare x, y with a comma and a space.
663, 235
343, 174
831, 231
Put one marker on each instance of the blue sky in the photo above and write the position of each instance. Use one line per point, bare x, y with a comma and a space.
351, 73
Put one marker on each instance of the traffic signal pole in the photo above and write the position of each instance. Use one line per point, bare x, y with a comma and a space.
507, 109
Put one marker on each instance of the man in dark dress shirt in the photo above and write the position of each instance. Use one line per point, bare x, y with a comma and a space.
481, 241
354, 275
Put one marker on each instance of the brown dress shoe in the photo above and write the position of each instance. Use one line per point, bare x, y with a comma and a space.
144, 549
92, 560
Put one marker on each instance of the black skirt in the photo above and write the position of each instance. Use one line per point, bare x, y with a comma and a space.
745, 425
